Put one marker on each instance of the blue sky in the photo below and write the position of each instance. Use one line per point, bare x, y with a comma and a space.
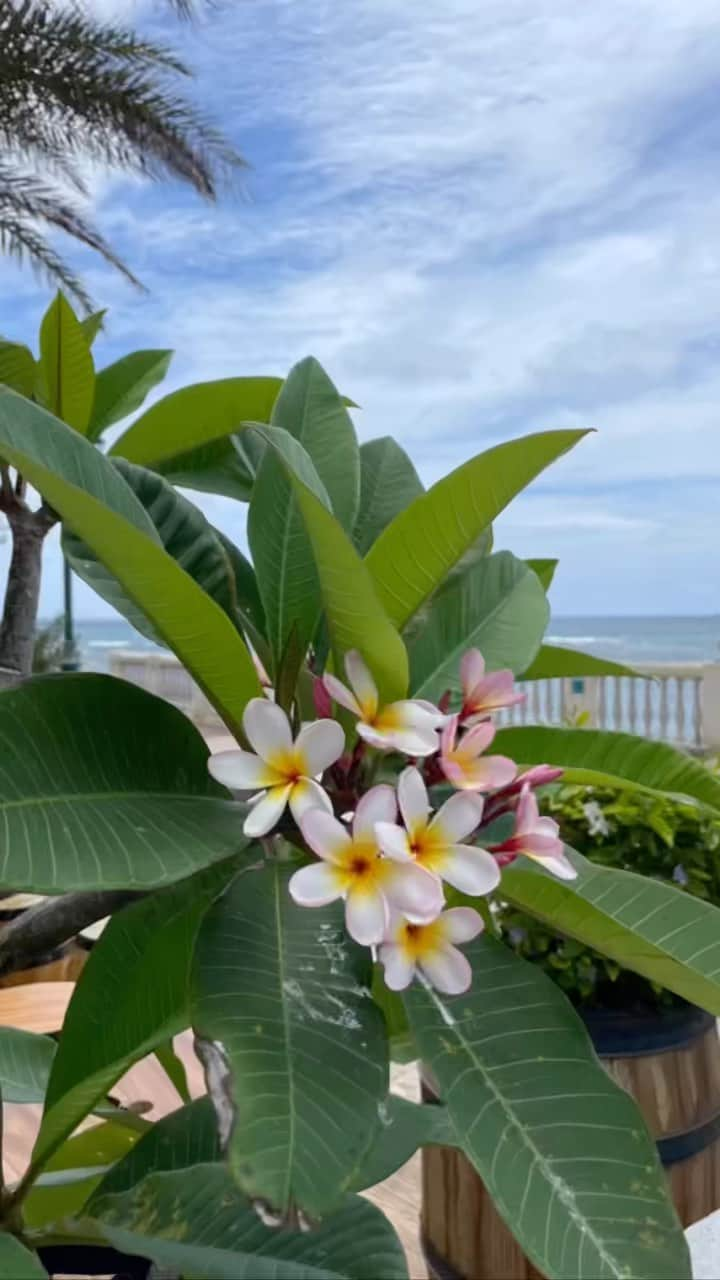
484, 219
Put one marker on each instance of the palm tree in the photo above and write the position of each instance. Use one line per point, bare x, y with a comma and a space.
74, 90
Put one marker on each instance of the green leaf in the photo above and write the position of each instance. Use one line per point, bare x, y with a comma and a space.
74, 1172
545, 570
66, 365
25, 1062
121, 797
388, 484
187, 436
307, 1054
248, 604
406, 1127
563, 1151
311, 410
133, 995
498, 607
655, 929
185, 534
197, 1223
179, 1140
553, 660
17, 1262
414, 554
597, 758
17, 367
83, 486
93, 324
174, 1069
121, 387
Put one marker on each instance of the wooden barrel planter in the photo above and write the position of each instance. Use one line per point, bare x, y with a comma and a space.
670, 1063
62, 964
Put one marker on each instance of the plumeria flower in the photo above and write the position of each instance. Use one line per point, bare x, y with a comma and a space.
536, 838
286, 770
464, 764
429, 948
353, 869
436, 843
484, 694
409, 726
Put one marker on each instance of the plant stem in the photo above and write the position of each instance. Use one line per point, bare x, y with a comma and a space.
42, 928
22, 593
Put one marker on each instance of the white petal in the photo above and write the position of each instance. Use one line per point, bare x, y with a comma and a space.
307, 794
557, 865
447, 970
242, 771
267, 728
472, 669
375, 737
413, 798
415, 891
314, 886
472, 871
326, 836
393, 841
413, 714
366, 916
267, 812
399, 970
340, 694
462, 924
377, 805
411, 742
459, 816
318, 745
364, 687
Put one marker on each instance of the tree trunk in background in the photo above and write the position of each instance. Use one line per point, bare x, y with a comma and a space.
22, 594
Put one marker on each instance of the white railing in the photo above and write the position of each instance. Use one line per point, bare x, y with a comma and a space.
672, 701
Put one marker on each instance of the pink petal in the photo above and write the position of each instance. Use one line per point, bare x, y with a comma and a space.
458, 817
470, 870
462, 924
267, 728
536, 842
326, 836
377, 805
557, 864
472, 670
486, 774
267, 812
314, 886
363, 685
413, 799
448, 736
393, 841
318, 745
476, 740
415, 891
366, 916
399, 970
447, 970
242, 771
340, 694
308, 794
547, 827
527, 812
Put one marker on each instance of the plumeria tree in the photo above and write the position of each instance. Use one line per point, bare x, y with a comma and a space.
320, 897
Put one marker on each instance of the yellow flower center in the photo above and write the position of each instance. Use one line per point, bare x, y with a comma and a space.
428, 846
362, 868
418, 940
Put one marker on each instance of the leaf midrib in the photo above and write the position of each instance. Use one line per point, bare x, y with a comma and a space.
288, 1040
550, 1177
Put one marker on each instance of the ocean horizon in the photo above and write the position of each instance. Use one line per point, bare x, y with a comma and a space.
626, 639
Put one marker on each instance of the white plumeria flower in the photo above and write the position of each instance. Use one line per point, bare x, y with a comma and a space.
409, 726
429, 948
353, 868
286, 770
436, 843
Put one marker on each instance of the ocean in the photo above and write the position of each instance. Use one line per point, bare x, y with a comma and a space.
624, 639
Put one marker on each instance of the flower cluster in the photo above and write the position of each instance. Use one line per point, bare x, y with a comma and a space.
381, 848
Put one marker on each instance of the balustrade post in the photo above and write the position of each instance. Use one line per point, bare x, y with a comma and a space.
710, 705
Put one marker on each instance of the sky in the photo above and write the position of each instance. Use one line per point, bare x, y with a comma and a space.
484, 220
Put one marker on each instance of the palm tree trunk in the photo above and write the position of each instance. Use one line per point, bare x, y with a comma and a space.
22, 593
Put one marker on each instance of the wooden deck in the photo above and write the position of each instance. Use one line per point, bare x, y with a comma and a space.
41, 1007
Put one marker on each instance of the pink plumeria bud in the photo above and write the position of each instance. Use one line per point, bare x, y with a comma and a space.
435, 843
352, 868
321, 699
536, 838
506, 800
484, 694
429, 949
409, 726
285, 770
464, 764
